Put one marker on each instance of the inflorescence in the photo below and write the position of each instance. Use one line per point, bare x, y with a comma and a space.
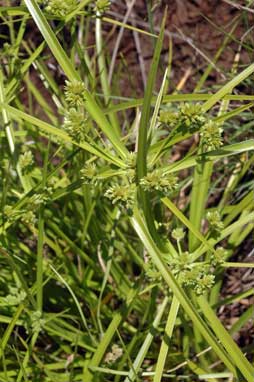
76, 118
122, 194
102, 6
75, 93
215, 223
197, 276
26, 162
157, 180
59, 8
190, 118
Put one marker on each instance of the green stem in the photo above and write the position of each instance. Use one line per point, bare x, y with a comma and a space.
165, 342
39, 273
146, 344
144, 197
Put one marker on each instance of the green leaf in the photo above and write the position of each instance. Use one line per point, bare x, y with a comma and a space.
165, 342
228, 87
93, 149
65, 63
143, 130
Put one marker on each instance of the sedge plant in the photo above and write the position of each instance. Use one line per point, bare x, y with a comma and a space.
113, 254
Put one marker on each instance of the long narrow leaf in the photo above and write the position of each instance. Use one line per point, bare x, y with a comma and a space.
64, 61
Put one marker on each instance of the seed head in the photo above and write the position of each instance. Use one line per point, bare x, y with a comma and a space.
88, 173
191, 117
75, 92
123, 194
59, 8
204, 283
102, 5
219, 256
159, 181
178, 234
28, 217
75, 124
26, 161
211, 135
168, 118
215, 223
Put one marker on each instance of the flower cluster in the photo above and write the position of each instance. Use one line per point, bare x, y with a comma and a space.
37, 322
15, 297
219, 256
178, 234
131, 162
189, 117
125, 192
76, 118
59, 8
157, 180
122, 194
198, 276
215, 223
102, 5
26, 161
75, 93
195, 276
88, 173
42, 197
168, 118
75, 124
28, 218
151, 271
211, 135
203, 283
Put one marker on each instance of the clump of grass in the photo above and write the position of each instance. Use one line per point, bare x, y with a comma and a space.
112, 258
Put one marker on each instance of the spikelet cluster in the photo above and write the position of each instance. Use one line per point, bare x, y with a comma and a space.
26, 162
76, 118
59, 8
197, 276
215, 223
102, 6
157, 180
190, 118
88, 173
210, 134
123, 194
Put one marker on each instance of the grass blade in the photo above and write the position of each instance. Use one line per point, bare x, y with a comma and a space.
240, 360
143, 130
146, 344
228, 87
64, 61
49, 129
165, 342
